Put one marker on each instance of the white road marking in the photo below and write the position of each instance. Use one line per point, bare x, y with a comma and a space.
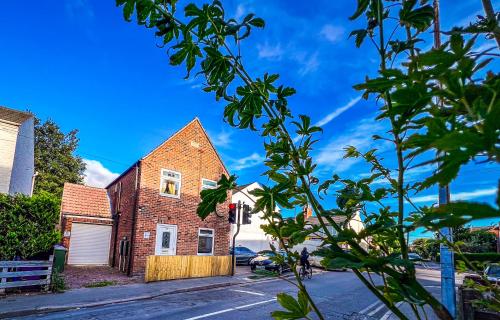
249, 292
369, 307
377, 310
388, 313
206, 315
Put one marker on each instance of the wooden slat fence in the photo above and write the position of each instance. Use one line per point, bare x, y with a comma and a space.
181, 267
15, 274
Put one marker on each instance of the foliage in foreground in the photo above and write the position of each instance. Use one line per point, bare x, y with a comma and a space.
437, 100
27, 225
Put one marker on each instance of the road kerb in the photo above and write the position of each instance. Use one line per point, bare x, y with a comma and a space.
75, 306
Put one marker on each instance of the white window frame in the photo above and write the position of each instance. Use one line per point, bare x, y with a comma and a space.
198, 244
180, 184
202, 185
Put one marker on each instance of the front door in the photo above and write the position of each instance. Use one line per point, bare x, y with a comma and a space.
166, 240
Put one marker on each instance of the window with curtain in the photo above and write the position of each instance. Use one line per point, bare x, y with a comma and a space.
170, 184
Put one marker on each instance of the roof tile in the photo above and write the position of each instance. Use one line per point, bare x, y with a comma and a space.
86, 201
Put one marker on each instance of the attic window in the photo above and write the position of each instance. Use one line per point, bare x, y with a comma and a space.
170, 183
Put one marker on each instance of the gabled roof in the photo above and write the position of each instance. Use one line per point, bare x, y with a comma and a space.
315, 221
195, 120
241, 187
14, 116
85, 201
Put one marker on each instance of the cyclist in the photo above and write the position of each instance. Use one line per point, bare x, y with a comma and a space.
304, 259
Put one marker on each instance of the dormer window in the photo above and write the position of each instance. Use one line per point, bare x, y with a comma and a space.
170, 183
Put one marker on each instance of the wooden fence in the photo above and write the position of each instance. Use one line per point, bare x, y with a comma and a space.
14, 274
180, 267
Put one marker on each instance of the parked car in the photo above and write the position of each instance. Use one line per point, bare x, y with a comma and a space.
492, 272
412, 256
243, 255
315, 261
264, 261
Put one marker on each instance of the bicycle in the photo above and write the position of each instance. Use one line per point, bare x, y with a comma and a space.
305, 272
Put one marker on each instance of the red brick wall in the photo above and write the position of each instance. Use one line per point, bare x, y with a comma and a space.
190, 153
122, 207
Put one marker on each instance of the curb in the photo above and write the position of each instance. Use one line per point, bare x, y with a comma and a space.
50, 309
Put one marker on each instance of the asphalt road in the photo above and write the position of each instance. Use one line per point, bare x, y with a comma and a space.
339, 295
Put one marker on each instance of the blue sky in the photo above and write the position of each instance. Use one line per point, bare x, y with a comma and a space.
79, 63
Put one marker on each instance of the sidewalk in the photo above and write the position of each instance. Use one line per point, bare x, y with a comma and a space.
22, 305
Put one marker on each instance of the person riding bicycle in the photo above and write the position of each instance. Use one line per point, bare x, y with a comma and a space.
304, 259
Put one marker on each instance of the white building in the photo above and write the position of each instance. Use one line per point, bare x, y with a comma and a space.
17, 149
251, 235
315, 240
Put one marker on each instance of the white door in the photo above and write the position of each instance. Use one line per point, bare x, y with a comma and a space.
89, 244
166, 240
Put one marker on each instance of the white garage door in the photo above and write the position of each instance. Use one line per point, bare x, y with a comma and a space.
89, 244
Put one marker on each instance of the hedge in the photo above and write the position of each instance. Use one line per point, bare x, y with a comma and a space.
28, 225
481, 257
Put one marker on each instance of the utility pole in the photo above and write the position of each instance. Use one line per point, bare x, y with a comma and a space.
448, 296
233, 258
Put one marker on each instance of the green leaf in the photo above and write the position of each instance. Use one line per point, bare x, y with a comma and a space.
361, 8
257, 22
295, 309
360, 35
420, 18
210, 198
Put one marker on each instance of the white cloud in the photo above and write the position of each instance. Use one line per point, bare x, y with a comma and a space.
240, 11
334, 114
467, 195
332, 33
247, 162
309, 64
221, 139
271, 52
96, 175
337, 112
360, 136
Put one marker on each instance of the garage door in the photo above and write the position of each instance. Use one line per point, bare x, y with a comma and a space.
89, 244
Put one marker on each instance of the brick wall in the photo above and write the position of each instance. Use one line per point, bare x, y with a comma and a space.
122, 197
190, 153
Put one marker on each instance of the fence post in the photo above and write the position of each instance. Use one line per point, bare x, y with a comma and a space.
49, 272
4, 269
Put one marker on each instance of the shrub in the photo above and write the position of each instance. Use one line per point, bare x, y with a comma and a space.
481, 257
27, 225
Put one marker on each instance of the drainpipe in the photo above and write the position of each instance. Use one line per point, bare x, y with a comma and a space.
134, 217
33, 177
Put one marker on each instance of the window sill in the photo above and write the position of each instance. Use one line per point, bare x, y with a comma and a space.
170, 195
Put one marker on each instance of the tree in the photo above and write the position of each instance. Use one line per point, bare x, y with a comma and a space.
55, 159
478, 241
27, 224
407, 93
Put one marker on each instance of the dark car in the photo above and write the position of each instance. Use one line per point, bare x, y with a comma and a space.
264, 261
243, 255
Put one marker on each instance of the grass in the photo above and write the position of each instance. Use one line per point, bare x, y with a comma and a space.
258, 274
99, 284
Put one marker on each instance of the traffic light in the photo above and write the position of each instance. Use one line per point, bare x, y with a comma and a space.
247, 212
232, 213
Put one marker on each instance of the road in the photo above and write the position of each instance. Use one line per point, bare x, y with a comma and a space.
339, 295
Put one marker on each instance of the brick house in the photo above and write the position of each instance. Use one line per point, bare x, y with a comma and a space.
153, 203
